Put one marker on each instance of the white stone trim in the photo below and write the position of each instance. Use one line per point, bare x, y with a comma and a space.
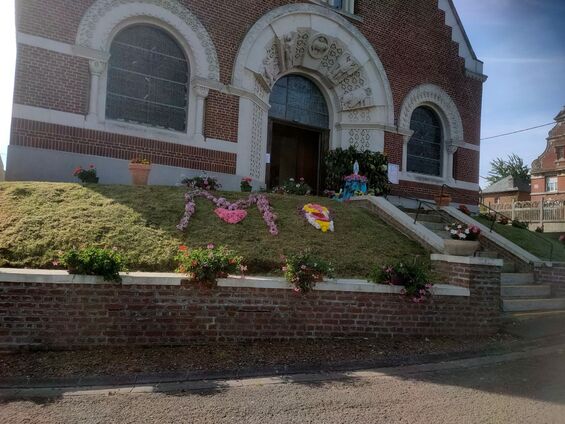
44, 43
50, 116
429, 179
467, 260
494, 237
99, 23
38, 276
437, 99
458, 35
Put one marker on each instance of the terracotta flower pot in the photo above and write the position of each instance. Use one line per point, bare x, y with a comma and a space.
461, 247
444, 200
139, 173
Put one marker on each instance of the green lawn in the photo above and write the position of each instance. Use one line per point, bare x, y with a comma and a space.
528, 240
37, 220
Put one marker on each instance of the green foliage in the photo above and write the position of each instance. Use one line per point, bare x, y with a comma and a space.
94, 261
514, 166
291, 186
519, 224
303, 270
206, 265
88, 176
415, 277
373, 165
204, 183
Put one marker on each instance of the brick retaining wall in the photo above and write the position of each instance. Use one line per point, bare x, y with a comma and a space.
47, 315
554, 276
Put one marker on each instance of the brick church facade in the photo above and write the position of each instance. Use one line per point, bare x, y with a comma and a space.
247, 88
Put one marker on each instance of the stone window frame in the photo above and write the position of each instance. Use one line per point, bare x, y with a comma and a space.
436, 99
106, 18
347, 8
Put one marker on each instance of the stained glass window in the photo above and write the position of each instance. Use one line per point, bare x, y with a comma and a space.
297, 99
424, 148
148, 78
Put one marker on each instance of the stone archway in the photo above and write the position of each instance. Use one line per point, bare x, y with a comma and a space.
322, 45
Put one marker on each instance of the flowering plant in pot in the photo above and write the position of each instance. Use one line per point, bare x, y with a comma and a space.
303, 270
206, 265
86, 175
414, 278
442, 200
139, 169
464, 239
246, 184
203, 182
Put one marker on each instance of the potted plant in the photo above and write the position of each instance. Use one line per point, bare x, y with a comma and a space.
464, 239
442, 200
86, 175
303, 270
246, 184
139, 169
415, 279
206, 265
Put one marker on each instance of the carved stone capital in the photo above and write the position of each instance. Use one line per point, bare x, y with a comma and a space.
97, 67
201, 91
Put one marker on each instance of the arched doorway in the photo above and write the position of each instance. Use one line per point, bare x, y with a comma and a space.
298, 132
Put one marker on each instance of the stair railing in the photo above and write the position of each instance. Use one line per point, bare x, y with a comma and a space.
493, 214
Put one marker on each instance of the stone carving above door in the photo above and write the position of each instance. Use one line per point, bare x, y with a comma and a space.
306, 49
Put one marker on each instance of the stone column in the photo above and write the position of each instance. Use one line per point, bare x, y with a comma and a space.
201, 95
97, 68
451, 150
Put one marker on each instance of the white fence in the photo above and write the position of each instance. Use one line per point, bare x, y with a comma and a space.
540, 211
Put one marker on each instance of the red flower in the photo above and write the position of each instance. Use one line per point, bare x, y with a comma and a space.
91, 166
183, 248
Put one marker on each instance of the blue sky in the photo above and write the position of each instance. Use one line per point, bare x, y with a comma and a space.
520, 41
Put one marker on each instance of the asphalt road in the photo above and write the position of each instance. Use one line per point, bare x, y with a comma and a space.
524, 391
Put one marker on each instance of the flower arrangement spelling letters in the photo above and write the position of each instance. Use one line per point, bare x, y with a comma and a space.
225, 208
319, 217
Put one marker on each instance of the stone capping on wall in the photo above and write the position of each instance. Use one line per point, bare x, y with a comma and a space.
171, 279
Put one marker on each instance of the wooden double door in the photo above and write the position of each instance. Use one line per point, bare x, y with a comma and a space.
296, 151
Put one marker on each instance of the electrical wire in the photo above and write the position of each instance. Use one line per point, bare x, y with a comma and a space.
516, 132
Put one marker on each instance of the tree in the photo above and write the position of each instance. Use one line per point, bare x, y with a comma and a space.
513, 166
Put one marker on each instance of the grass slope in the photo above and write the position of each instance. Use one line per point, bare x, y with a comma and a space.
39, 219
528, 240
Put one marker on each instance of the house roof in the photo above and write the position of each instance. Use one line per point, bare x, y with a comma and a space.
507, 184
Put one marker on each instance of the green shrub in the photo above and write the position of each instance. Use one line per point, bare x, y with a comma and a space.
206, 265
203, 183
373, 165
303, 270
416, 279
94, 261
519, 224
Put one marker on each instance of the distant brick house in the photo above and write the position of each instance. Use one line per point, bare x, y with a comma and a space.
505, 191
548, 170
245, 88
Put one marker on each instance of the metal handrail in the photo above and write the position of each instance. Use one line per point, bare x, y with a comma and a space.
430, 205
496, 213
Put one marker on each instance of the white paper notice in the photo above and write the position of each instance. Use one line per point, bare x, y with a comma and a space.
393, 170
268, 158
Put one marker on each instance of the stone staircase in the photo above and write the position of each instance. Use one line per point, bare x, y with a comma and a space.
519, 292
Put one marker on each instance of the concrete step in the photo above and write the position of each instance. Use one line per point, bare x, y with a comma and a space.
532, 325
425, 217
523, 305
442, 234
515, 278
434, 226
526, 291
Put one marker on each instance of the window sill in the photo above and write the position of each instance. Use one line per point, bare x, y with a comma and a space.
339, 11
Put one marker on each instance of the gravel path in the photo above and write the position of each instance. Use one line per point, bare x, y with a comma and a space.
524, 391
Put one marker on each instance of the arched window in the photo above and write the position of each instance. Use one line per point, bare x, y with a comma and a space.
424, 148
297, 99
148, 77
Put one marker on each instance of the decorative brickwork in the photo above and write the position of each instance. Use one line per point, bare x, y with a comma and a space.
222, 114
76, 140
43, 315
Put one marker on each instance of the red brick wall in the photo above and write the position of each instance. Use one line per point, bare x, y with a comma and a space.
51, 80
88, 142
81, 315
428, 191
553, 276
222, 116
